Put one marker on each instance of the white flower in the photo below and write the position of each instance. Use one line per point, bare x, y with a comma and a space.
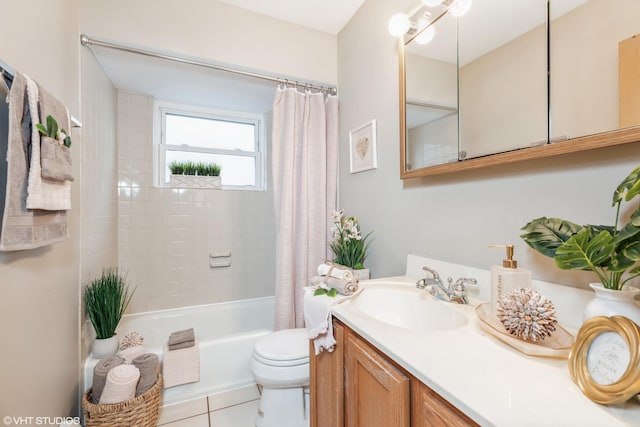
336, 216
61, 136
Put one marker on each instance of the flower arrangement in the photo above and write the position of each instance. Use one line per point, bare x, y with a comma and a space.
611, 253
349, 246
52, 131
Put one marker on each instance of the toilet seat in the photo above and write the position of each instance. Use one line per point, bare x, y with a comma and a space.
289, 347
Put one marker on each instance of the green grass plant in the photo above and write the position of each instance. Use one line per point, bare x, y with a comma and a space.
106, 298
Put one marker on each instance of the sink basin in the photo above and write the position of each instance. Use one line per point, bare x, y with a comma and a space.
407, 307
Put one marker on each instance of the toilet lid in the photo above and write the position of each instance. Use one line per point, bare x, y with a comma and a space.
286, 347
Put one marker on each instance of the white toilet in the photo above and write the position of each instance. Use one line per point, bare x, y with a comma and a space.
280, 365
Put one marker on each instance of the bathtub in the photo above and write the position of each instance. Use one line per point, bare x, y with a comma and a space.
226, 333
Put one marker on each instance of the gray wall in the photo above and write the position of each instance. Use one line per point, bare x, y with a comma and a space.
454, 217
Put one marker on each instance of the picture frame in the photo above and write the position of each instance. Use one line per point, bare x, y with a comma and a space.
362, 148
605, 359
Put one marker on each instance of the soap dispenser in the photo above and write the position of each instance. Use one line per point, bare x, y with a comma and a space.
507, 278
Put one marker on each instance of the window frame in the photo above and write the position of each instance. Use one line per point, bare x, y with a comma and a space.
162, 108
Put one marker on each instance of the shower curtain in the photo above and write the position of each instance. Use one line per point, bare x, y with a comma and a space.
304, 172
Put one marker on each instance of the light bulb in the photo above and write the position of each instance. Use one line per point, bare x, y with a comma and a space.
426, 36
432, 3
399, 24
460, 7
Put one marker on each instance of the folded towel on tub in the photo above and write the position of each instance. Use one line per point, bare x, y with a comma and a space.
182, 337
100, 372
148, 364
121, 384
181, 366
130, 353
317, 317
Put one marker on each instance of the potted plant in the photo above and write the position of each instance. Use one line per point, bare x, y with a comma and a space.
611, 252
195, 174
106, 298
349, 246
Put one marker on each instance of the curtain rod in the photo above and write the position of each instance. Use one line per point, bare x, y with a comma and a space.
90, 41
7, 73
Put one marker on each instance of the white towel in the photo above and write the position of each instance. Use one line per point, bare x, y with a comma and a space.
181, 366
344, 287
42, 193
130, 353
335, 270
121, 384
317, 318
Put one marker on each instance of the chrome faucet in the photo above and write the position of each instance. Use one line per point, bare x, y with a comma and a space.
454, 292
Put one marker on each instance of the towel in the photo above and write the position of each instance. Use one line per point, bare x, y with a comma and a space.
55, 160
180, 337
317, 318
121, 384
43, 193
344, 287
148, 364
338, 271
181, 366
185, 344
100, 372
23, 228
130, 353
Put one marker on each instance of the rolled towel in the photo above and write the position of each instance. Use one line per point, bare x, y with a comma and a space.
180, 337
100, 372
185, 344
121, 384
130, 353
335, 270
148, 364
344, 287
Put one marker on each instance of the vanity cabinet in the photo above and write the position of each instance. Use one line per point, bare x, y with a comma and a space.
358, 386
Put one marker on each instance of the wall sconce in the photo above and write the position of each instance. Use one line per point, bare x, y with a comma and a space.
400, 24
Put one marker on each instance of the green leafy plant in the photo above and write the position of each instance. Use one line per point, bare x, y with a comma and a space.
611, 253
192, 168
349, 246
106, 298
51, 130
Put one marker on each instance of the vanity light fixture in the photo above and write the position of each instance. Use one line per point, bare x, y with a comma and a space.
400, 24
427, 34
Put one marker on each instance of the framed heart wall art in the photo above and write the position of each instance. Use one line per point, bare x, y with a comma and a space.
362, 148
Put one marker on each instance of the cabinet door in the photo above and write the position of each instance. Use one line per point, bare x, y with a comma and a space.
431, 410
376, 392
326, 382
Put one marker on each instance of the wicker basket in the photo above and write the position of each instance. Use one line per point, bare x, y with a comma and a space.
141, 411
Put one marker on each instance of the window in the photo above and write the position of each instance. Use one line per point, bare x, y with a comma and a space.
232, 140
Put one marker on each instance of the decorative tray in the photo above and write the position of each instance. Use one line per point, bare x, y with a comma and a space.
558, 345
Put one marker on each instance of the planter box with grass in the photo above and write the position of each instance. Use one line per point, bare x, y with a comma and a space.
194, 175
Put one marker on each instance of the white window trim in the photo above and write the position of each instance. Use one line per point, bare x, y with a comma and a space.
160, 108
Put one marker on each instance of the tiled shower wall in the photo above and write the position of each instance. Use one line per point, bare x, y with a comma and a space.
165, 235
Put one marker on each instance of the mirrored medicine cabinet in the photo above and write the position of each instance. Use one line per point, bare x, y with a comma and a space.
511, 81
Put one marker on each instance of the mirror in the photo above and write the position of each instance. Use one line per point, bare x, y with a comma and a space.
507, 110
588, 96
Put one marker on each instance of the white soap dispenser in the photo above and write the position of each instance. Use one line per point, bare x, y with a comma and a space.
507, 278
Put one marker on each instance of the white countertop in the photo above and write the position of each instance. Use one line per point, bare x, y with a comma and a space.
486, 379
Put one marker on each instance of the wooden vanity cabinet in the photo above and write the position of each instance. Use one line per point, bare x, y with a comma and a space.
358, 386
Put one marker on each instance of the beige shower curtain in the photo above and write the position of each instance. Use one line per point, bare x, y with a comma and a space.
305, 165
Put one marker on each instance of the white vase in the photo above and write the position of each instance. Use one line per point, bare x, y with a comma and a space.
362, 274
106, 347
609, 302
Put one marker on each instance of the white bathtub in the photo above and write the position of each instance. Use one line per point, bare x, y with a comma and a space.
226, 333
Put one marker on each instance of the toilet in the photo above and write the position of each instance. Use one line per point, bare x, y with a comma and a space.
280, 365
